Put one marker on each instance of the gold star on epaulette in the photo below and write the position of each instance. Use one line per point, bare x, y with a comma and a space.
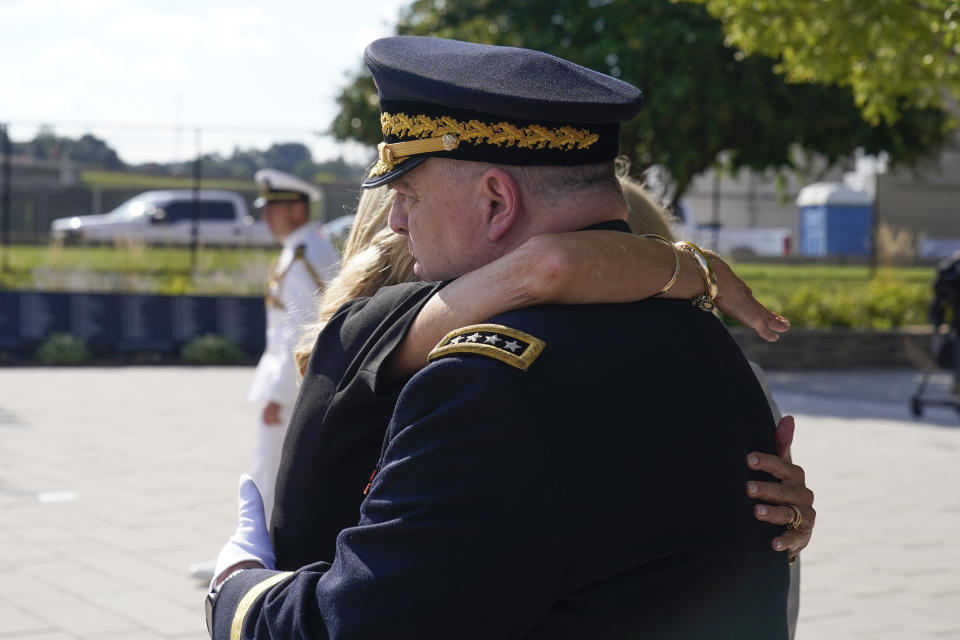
516, 348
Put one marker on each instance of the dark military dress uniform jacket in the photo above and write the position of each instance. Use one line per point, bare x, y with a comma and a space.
597, 493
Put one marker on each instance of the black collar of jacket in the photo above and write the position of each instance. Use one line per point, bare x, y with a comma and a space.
609, 225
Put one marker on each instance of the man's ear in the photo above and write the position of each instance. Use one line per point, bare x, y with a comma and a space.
502, 202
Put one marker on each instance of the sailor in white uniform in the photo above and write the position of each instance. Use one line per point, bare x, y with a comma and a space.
296, 279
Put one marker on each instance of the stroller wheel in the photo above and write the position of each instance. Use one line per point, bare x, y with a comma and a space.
916, 407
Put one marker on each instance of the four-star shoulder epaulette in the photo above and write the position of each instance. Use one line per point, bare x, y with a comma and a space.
516, 348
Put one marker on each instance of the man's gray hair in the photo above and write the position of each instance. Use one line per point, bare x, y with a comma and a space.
551, 184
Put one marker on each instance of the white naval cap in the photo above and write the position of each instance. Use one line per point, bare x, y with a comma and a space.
277, 186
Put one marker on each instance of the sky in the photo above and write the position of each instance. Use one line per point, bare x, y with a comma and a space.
145, 75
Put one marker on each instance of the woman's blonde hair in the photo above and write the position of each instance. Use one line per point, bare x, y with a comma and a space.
373, 257
644, 215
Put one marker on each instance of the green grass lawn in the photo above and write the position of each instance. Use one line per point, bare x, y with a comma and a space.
809, 295
136, 268
125, 180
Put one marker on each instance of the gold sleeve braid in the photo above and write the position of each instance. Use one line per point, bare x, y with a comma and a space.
236, 627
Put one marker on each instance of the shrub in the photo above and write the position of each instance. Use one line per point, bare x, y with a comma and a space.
880, 304
63, 349
212, 349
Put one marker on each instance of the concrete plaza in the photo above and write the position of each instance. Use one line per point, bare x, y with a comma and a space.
114, 480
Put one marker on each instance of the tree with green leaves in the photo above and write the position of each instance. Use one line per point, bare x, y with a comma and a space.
705, 99
890, 53
88, 149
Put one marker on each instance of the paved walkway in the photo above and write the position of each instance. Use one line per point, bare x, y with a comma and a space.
110, 488
884, 562
112, 481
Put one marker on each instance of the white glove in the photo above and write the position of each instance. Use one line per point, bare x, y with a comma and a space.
251, 541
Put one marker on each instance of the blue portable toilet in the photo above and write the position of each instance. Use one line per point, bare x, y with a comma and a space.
834, 220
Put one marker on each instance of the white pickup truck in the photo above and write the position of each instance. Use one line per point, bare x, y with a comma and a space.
732, 241
167, 217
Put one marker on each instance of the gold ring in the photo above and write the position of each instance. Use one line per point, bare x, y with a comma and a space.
797, 518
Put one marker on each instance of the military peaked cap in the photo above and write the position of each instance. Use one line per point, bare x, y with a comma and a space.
504, 105
277, 186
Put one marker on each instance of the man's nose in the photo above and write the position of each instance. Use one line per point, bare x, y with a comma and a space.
398, 218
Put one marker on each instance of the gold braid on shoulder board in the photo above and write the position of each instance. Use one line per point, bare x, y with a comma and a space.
511, 346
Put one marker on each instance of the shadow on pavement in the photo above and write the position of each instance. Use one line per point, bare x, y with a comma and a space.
863, 409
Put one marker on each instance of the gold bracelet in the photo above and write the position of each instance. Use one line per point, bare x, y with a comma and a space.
676, 258
705, 299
